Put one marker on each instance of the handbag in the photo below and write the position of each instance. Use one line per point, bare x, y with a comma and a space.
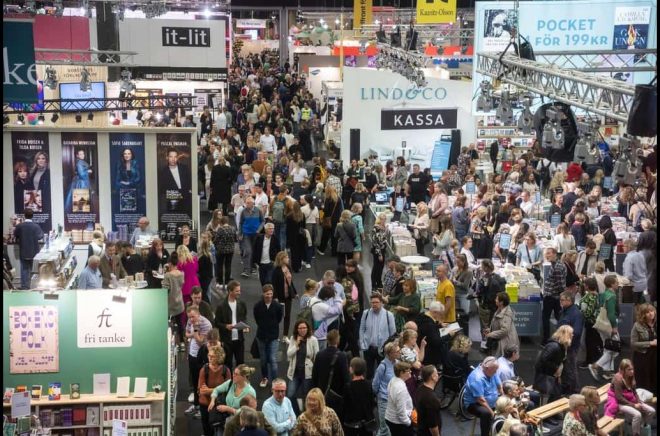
613, 344
332, 398
326, 223
217, 418
602, 324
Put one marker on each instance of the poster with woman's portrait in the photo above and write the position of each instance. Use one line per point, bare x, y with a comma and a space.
174, 183
31, 172
127, 170
81, 188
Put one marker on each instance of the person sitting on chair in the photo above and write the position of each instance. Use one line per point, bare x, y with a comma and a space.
482, 389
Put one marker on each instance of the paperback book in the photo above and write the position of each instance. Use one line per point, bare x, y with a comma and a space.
74, 391
36, 392
54, 390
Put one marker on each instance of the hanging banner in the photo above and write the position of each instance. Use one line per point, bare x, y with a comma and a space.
19, 72
105, 319
32, 176
33, 339
174, 183
362, 13
127, 177
79, 168
436, 11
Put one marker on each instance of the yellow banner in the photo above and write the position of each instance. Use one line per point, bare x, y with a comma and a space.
362, 12
436, 11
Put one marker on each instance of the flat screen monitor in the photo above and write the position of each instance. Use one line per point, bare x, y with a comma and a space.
72, 92
381, 197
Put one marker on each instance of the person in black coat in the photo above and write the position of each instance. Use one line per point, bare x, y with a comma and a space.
266, 269
233, 343
268, 316
550, 361
285, 291
305, 141
359, 395
323, 366
494, 149
221, 181
295, 236
27, 236
428, 326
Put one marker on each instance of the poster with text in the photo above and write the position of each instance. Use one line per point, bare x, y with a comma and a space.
33, 339
31, 174
127, 178
174, 183
81, 187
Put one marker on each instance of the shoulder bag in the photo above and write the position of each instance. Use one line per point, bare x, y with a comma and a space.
332, 398
602, 324
327, 219
217, 418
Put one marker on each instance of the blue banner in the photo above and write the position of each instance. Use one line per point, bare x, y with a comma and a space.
127, 168
440, 158
19, 73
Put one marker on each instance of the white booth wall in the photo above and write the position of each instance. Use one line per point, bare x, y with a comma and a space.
364, 113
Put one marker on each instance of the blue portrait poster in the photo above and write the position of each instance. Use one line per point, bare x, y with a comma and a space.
79, 170
127, 180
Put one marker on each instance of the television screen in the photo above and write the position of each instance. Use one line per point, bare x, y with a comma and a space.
72, 92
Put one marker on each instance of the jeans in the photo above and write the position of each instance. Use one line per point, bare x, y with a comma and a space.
266, 273
383, 429
223, 268
268, 357
194, 367
485, 418
298, 387
246, 246
280, 232
26, 272
550, 306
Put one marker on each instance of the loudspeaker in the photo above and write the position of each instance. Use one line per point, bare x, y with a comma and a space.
455, 147
644, 111
355, 144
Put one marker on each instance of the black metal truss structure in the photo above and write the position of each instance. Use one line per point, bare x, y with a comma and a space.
152, 103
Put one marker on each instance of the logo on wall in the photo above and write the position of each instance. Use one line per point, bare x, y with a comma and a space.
104, 322
19, 73
410, 119
436, 11
186, 36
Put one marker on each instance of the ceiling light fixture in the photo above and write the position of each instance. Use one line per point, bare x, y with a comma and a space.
51, 78
78, 117
85, 83
41, 119
54, 118
20, 119
90, 116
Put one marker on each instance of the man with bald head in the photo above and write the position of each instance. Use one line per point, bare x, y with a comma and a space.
90, 277
482, 388
445, 293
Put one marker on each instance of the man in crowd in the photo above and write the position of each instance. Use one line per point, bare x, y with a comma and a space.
250, 223
266, 247
278, 409
133, 263
554, 284
330, 279
429, 422
571, 315
331, 359
446, 294
196, 330
27, 235
231, 311
204, 307
142, 231
90, 277
418, 183
233, 425
482, 389
382, 378
111, 267
268, 316
526, 203
376, 325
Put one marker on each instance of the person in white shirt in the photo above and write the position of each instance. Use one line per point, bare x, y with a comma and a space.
526, 204
399, 404
267, 141
221, 123
466, 250
299, 173
563, 240
238, 200
261, 199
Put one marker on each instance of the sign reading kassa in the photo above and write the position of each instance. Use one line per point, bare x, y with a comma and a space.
436, 11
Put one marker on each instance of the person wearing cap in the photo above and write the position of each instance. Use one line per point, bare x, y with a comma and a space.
482, 388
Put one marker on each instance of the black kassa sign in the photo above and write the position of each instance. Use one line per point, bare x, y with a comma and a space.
414, 119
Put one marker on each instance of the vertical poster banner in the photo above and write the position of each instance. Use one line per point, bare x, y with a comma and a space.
436, 11
79, 168
127, 168
33, 339
174, 183
32, 176
362, 13
19, 75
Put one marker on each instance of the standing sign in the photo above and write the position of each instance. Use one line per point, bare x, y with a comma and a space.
33, 339
19, 72
104, 321
174, 183
79, 168
436, 11
440, 157
32, 176
127, 179
527, 318
362, 13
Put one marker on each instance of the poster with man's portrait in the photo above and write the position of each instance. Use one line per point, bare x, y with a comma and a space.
79, 171
174, 183
498, 24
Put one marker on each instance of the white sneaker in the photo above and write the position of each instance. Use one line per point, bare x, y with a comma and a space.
263, 383
307, 265
191, 398
191, 410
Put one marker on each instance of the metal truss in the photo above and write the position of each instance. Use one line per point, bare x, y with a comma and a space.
602, 61
154, 102
425, 32
84, 57
596, 94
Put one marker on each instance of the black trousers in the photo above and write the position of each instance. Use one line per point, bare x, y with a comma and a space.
206, 426
223, 267
329, 235
485, 418
235, 349
373, 359
377, 272
569, 375
420, 243
550, 306
400, 429
593, 342
194, 367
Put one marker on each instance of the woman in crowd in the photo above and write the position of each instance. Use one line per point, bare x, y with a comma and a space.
502, 329
518, 230
214, 224
310, 291
420, 227
457, 367
156, 261
358, 419
361, 195
609, 239
205, 260
443, 237
311, 213
295, 237
284, 289
589, 307
378, 251
173, 282
647, 245
406, 305
462, 275
599, 274
400, 174
572, 278
644, 343
579, 230
356, 219
530, 255
500, 249
211, 376
608, 300
573, 423
236, 388
460, 218
224, 239
185, 238
414, 355
345, 233
301, 353
326, 308
317, 419
399, 403
590, 415
506, 416
550, 363
97, 246
466, 250
438, 207
622, 398
563, 240
332, 210
189, 265
530, 184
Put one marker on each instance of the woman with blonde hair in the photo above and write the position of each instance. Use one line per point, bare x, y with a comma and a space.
569, 259
550, 363
622, 398
557, 182
97, 246
420, 227
284, 290
479, 234
442, 239
211, 376
356, 219
345, 233
506, 415
573, 423
214, 224
564, 240
317, 419
378, 250
590, 415
236, 388
599, 274
205, 261
457, 367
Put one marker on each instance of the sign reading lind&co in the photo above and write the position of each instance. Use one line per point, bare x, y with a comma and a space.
414, 119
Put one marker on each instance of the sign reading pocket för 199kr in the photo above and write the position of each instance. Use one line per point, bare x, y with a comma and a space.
413, 119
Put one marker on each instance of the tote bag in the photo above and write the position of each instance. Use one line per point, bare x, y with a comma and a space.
602, 323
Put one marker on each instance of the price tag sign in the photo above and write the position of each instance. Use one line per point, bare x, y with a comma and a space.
470, 188
537, 197
607, 182
505, 241
555, 220
605, 251
20, 404
400, 203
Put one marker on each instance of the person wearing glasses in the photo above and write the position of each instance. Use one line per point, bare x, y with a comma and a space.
399, 405
278, 410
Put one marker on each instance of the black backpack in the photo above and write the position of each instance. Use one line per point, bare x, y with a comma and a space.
544, 174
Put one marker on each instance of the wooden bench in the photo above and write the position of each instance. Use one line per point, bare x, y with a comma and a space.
550, 409
602, 392
607, 424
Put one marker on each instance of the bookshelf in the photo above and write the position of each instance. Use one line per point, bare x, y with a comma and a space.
92, 415
172, 354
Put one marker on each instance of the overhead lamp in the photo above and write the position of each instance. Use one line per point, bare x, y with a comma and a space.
504, 111
553, 134
485, 99
20, 119
526, 118
85, 83
78, 117
124, 115
126, 86
90, 116
54, 118
41, 119
139, 115
207, 13
51, 78
5, 119
112, 116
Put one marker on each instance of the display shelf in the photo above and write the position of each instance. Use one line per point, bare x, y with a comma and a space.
171, 382
91, 398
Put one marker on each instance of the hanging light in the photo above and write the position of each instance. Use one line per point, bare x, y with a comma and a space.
51, 78
20, 119
90, 116
54, 118
485, 100
41, 119
139, 115
85, 83
78, 117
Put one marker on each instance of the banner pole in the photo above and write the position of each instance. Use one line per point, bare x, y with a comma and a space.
341, 46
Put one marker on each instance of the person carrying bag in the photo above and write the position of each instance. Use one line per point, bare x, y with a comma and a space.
332, 398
